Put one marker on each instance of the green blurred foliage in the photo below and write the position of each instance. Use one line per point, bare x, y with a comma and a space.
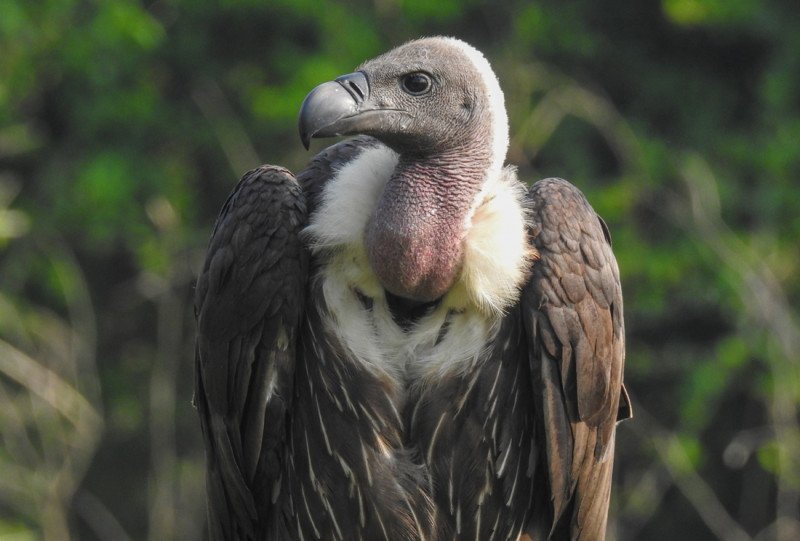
124, 123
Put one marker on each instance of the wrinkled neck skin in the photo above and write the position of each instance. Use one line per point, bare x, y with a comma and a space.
415, 235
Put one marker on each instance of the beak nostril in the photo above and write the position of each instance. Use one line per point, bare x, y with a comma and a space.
356, 85
356, 89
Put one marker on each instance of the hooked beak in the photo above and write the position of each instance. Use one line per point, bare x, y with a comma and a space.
342, 107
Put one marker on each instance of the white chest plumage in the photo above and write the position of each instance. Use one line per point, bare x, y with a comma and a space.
451, 337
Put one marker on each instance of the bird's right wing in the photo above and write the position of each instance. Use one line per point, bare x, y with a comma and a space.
248, 304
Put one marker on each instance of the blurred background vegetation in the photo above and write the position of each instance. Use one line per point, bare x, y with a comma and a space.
124, 124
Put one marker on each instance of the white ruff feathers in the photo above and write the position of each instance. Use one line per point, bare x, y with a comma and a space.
349, 197
496, 252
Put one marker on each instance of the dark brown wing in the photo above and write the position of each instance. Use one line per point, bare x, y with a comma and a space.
572, 310
248, 306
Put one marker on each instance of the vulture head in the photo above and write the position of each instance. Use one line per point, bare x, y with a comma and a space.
438, 105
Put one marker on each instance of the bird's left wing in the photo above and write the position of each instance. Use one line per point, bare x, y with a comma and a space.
248, 304
572, 311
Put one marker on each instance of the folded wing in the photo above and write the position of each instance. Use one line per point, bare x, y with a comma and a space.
572, 310
248, 305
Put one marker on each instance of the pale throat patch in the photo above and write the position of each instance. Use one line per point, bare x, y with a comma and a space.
496, 256
496, 250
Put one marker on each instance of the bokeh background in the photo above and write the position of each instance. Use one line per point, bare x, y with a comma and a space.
125, 123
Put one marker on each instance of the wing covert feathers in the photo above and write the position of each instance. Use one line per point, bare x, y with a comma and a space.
248, 304
572, 309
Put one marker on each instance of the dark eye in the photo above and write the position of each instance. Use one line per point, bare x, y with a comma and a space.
416, 84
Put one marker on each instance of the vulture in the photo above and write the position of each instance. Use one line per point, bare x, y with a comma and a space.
403, 341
